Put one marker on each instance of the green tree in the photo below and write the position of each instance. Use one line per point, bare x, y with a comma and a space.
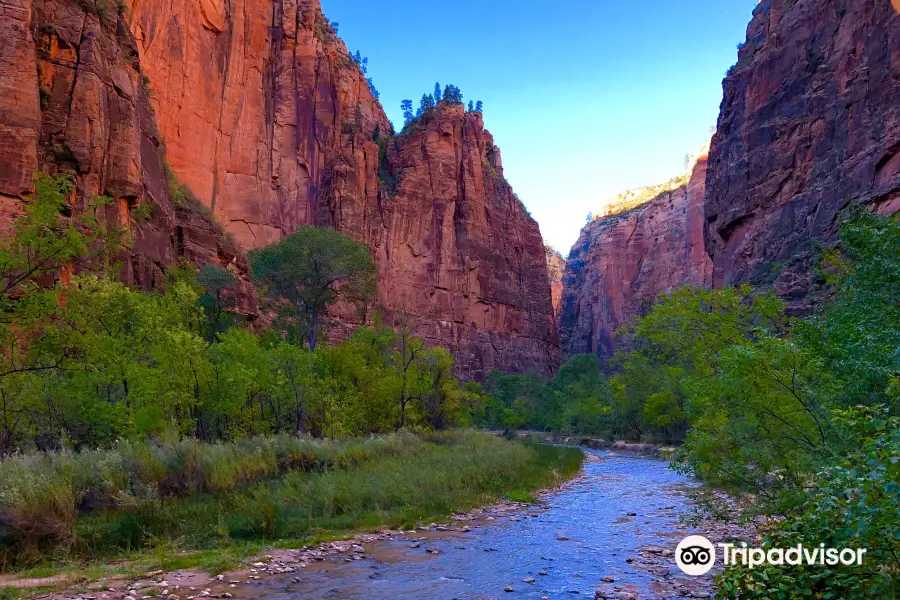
219, 299
51, 240
857, 333
853, 504
311, 269
407, 107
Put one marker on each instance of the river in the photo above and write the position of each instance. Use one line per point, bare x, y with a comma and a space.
611, 529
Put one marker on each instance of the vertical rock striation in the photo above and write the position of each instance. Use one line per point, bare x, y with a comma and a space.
256, 107
458, 253
810, 122
622, 262
260, 106
73, 100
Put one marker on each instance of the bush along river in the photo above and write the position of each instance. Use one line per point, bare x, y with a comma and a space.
610, 533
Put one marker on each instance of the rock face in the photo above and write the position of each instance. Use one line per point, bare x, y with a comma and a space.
556, 265
622, 262
72, 100
260, 105
256, 108
272, 126
457, 252
810, 122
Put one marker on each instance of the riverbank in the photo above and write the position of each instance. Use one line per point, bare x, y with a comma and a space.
567, 439
423, 479
595, 533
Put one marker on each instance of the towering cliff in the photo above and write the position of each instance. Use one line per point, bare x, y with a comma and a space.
457, 252
257, 109
260, 108
73, 100
623, 261
810, 122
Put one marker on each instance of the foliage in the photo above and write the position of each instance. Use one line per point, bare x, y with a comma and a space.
363, 63
854, 504
47, 244
407, 107
206, 495
311, 269
450, 94
576, 400
857, 334
218, 301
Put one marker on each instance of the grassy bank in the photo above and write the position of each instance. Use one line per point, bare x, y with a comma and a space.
137, 498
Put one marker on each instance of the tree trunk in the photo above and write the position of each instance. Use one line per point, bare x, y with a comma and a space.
313, 329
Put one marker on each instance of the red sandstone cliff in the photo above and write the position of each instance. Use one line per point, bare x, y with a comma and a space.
258, 104
622, 262
457, 252
259, 111
810, 122
271, 125
73, 100
556, 265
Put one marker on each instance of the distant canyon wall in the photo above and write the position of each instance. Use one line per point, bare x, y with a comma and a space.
809, 124
623, 262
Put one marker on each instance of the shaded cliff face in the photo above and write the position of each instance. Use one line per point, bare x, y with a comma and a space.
622, 262
458, 253
73, 100
810, 122
556, 265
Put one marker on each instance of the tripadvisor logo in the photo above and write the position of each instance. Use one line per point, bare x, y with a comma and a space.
696, 555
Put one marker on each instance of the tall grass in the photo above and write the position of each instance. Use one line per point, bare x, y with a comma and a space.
102, 503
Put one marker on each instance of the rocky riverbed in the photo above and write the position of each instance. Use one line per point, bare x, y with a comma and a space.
609, 534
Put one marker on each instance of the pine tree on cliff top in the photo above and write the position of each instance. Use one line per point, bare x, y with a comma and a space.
407, 107
437, 92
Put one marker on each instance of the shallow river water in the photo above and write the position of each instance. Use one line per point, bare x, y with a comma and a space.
583, 533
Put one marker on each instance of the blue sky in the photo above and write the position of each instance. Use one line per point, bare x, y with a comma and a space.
585, 98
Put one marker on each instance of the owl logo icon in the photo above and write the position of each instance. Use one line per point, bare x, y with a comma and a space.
695, 555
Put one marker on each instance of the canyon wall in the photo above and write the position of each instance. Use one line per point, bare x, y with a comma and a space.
622, 262
810, 122
556, 264
458, 255
256, 108
73, 101
259, 104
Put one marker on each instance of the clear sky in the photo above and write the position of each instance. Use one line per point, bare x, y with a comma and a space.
585, 98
